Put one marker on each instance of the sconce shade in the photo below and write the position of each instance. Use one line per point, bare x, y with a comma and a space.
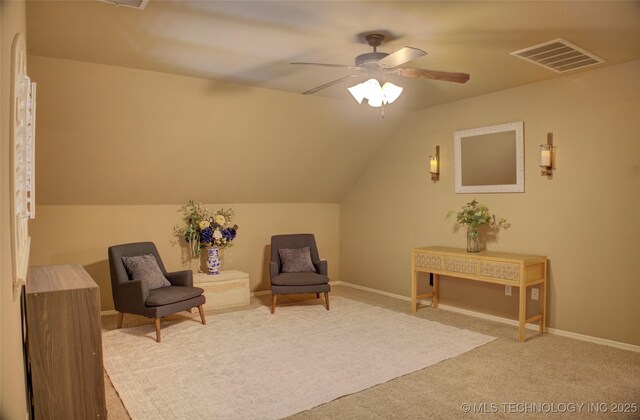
433, 164
375, 94
545, 157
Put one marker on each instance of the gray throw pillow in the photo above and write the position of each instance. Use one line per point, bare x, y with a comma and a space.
297, 260
145, 267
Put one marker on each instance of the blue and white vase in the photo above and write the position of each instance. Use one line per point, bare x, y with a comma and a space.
213, 260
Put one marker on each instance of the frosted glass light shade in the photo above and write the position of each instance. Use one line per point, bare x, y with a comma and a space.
433, 164
375, 94
358, 92
391, 91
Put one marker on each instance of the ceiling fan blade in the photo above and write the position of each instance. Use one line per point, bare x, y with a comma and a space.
326, 85
342, 66
432, 74
403, 55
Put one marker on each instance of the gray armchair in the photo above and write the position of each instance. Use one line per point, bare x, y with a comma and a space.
135, 297
284, 283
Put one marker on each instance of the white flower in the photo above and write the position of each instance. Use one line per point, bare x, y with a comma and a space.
217, 234
220, 219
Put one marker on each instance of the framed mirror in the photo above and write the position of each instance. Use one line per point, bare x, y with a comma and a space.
490, 159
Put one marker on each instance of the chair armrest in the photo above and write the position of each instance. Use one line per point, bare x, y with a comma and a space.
321, 267
273, 269
132, 296
180, 278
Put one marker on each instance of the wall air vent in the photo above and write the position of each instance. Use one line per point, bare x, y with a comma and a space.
136, 4
559, 55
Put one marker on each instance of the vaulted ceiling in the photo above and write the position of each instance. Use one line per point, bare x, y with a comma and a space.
119, 124
253, 42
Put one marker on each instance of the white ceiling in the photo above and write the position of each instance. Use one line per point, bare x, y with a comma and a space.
252, 43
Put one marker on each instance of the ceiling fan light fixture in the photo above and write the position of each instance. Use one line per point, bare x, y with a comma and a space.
376, 102
358, 92
375, 94
391, 91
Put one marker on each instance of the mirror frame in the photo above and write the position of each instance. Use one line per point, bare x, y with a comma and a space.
516, 127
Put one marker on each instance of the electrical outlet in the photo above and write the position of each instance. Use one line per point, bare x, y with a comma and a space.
534, 293
507, 289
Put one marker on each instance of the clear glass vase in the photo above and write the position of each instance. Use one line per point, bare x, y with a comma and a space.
473, 240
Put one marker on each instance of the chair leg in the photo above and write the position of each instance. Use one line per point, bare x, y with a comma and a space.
326, 299
317, 295
274, 298
158, 337
120, 316
201, 310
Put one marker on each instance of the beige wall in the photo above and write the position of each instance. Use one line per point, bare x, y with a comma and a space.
119, 150
82, 234
584, 219
12, 381
113, 135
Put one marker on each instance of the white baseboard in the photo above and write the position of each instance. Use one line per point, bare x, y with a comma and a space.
554, 331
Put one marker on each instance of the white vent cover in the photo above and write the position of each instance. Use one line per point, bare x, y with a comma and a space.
559, 55
136, 4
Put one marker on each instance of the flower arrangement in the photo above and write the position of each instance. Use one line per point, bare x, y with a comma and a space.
474, 215
205, 229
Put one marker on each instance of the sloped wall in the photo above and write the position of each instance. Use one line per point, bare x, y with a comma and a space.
110, 135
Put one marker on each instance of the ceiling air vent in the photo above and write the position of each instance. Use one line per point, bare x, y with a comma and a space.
559, 55
136, 4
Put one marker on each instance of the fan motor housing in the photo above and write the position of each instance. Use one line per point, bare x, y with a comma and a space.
369, 58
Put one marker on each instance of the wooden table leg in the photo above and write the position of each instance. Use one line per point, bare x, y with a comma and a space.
436, 290
414, 291
543, 301
522, 311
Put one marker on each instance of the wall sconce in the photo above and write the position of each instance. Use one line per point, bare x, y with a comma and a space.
434, 165
546, 156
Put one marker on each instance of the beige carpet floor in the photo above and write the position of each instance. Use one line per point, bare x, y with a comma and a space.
548, 376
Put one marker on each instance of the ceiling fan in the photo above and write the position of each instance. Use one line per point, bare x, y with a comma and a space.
382, 63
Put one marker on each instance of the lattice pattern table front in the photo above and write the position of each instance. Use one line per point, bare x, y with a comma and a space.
498, 270
428, 261
516, 270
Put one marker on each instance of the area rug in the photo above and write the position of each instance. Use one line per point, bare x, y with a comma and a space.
253, 365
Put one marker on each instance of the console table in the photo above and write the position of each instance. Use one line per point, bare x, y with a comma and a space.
521, 271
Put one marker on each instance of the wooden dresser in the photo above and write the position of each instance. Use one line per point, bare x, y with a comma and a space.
516, 270
64, 343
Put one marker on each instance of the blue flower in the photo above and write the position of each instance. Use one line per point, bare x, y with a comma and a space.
206, 235
229, 234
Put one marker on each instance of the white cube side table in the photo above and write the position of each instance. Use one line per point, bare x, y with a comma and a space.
225, 290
